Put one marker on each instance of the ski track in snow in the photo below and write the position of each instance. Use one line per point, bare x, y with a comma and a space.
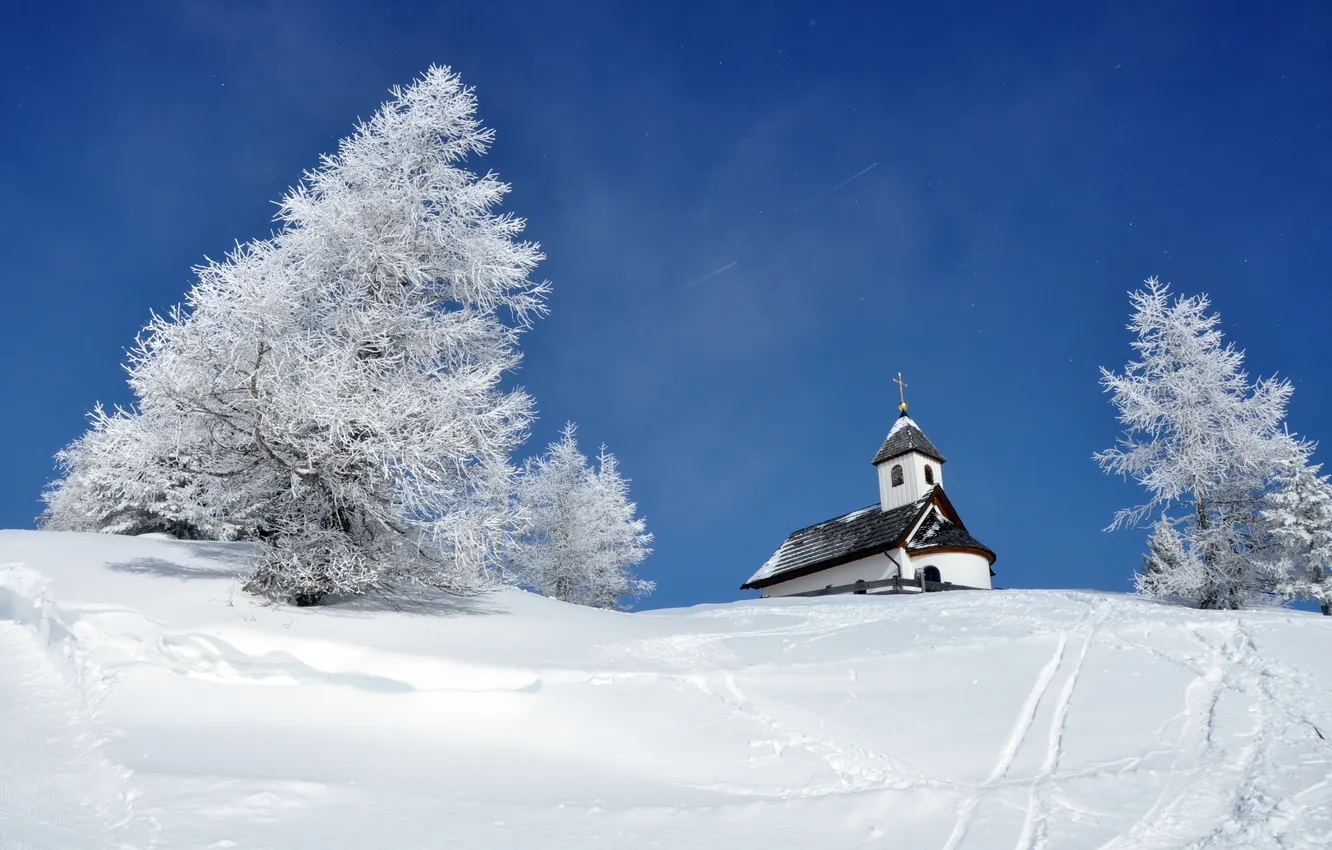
1220, 792
57, 789
1201, 698
1219, 777
1220, 795
1035, 823
1252, 811
1021, 727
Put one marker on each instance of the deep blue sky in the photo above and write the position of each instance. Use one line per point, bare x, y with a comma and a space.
1028, 164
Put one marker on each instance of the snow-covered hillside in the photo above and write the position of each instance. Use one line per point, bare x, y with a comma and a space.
146, 702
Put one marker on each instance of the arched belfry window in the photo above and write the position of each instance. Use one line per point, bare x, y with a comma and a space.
897, 475
929, 474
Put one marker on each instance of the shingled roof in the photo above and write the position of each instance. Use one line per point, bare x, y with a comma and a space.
904, 437
938, 532
838, 541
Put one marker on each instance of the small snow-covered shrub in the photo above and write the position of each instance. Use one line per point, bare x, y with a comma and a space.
583, 539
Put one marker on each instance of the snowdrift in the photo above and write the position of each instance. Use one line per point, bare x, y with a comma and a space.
146, 702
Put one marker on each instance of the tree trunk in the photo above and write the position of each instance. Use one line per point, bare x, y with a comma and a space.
1218, 593
1210, 598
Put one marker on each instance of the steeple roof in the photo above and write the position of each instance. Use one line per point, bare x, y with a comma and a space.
904, 437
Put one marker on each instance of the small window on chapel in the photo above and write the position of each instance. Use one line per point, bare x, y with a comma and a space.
897, 475
929, 474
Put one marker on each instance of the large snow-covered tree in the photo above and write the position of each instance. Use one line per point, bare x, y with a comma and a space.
583, 536
1198, 431
345, 374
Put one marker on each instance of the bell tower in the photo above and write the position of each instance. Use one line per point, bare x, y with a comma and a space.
908, 463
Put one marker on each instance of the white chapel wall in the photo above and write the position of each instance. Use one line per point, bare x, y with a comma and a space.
966, 568
873, 568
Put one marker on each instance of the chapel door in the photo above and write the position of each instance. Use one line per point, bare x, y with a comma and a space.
930, 574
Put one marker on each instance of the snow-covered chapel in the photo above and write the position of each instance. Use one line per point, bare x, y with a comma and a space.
911, 541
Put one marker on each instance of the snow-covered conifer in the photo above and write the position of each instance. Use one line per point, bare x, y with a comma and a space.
583, 537
1296, 518
625, 537
1198, 431
1168, 567
345, 374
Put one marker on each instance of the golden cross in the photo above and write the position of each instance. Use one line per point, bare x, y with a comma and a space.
901, 388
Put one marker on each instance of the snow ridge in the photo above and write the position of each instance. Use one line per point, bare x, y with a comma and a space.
57, 786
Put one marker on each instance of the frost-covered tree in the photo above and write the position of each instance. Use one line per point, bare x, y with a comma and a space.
625, 537
120, 478
131, 475
1168, 568
583, 538
1200, 433
345, 373
1296, 519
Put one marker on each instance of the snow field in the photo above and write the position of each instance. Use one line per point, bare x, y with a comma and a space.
1012, 719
